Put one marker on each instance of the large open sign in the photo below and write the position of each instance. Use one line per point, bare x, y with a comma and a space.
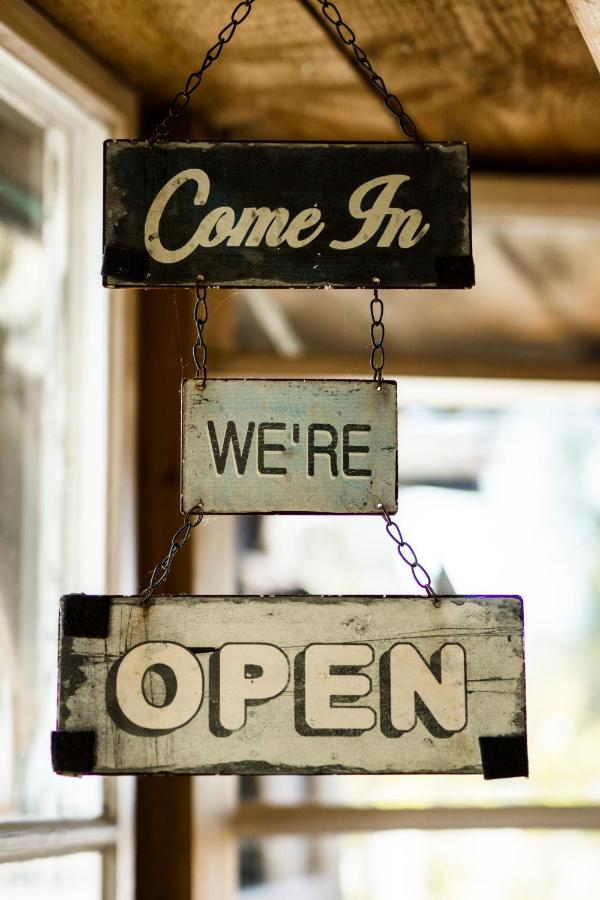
287, 214
291, 684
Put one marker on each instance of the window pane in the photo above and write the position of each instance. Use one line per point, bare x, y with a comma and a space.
41, 383
58, 878
496, 497
294, 867
426, 865
469, 865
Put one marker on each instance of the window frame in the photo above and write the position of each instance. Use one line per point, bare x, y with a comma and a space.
31, 41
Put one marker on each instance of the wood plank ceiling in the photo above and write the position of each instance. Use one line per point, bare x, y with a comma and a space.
513, 77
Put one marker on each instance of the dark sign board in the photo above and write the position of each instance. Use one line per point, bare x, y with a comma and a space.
253, 685
287, 214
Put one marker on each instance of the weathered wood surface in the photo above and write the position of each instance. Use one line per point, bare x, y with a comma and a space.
287, 214
290, 684
587, 15
264, 446
517, 81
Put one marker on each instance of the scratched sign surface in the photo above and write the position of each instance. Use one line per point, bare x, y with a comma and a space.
291, 684
287, 214
264, 446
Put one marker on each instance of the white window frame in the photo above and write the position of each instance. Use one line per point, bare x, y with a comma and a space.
43, 56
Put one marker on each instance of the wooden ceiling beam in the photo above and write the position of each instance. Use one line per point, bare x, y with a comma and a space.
587, 15
456, 365
556, 197
263, 820
516, 80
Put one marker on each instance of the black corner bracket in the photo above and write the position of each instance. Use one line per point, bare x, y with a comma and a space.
73, 752
120, 262
85, 615
504, 757
455, 272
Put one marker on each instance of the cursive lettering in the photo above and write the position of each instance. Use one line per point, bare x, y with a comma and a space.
404, 223
276, 227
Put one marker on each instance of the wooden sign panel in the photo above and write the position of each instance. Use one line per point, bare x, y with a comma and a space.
259, 685
287, 214
264, 446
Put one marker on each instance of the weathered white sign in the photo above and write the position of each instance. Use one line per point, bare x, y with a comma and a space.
291, 684
265, 446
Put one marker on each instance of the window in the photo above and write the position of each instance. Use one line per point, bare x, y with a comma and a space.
61, 344
505, 500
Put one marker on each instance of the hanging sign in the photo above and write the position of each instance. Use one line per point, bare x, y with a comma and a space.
258, 685
287, 214
263, 446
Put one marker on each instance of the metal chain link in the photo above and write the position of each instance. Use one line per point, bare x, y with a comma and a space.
241, 12
200, 350
180, 538
190, 519
377, 334
392, 102
408, 555
180, 101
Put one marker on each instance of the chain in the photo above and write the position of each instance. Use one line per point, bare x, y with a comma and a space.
179, 539
392, 102
377, 333
180, 101
200, 349
408, 555
193, 519
241, 12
